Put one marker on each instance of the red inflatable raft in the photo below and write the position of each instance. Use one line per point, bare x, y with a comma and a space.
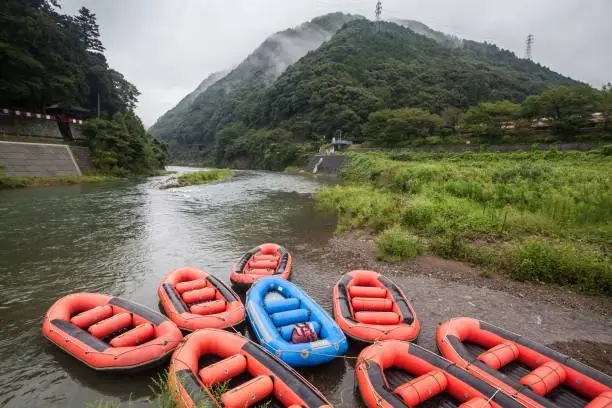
535, 375
194, 300
259, 262
209, 357
369, 307
110, 333
392, 374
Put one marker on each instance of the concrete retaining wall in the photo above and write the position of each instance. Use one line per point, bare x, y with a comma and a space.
76, 132
82, 156
325, 164
11, 125
37, 159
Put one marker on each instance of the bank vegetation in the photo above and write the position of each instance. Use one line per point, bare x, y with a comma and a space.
540, 216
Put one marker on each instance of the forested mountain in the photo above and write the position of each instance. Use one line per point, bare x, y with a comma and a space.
173, 118
233, 96
363, 68
370, 66
438, 36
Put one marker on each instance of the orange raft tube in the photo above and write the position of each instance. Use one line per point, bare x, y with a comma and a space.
259, 262
535, 375
392, 374
194, 299
369, 307
110, 333
209, 357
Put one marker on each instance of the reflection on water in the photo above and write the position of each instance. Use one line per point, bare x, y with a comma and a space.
121, 239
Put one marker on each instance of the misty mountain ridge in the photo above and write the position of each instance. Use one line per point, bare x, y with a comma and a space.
422, 29
255, 73
331, 73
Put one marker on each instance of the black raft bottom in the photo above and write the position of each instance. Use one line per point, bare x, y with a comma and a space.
209, 359
563, 396
396, 377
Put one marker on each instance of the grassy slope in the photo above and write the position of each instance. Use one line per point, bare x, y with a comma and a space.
538, 216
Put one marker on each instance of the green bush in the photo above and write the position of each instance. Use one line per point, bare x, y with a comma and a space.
418, 213
395, 244
121, 146
606, 150
562, 265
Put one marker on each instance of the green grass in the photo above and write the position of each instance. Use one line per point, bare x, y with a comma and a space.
163, 396
487, 208
11, 182
203, 177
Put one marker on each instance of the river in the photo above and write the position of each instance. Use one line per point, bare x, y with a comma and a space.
121, 239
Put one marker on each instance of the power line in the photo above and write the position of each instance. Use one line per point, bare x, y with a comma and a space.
529, 46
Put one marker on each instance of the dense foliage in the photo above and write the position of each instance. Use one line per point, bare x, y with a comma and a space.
48, 58
121, 146
398, 125
364, 68
369, 66
538, 216
240, 147
51, 58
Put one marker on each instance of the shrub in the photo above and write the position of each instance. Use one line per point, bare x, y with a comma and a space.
467, 189
418, 213
606, 150
395, 244
203, 177
562, 265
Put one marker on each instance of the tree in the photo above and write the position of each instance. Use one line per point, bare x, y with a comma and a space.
561, 102
398, 125
450, 117
488, 117
605, 105
568, 107
89, 31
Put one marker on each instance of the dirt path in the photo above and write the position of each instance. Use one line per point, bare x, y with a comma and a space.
575, 324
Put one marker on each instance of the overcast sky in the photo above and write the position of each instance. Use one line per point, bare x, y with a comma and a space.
166, 48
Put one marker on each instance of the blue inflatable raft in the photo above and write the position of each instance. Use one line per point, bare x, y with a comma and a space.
274, 307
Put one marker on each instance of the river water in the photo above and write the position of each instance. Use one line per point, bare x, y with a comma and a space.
122, 239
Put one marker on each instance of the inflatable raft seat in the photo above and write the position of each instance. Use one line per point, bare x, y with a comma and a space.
422, 388
249, 393
476, 403
545, 378
602, 401
500, 355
